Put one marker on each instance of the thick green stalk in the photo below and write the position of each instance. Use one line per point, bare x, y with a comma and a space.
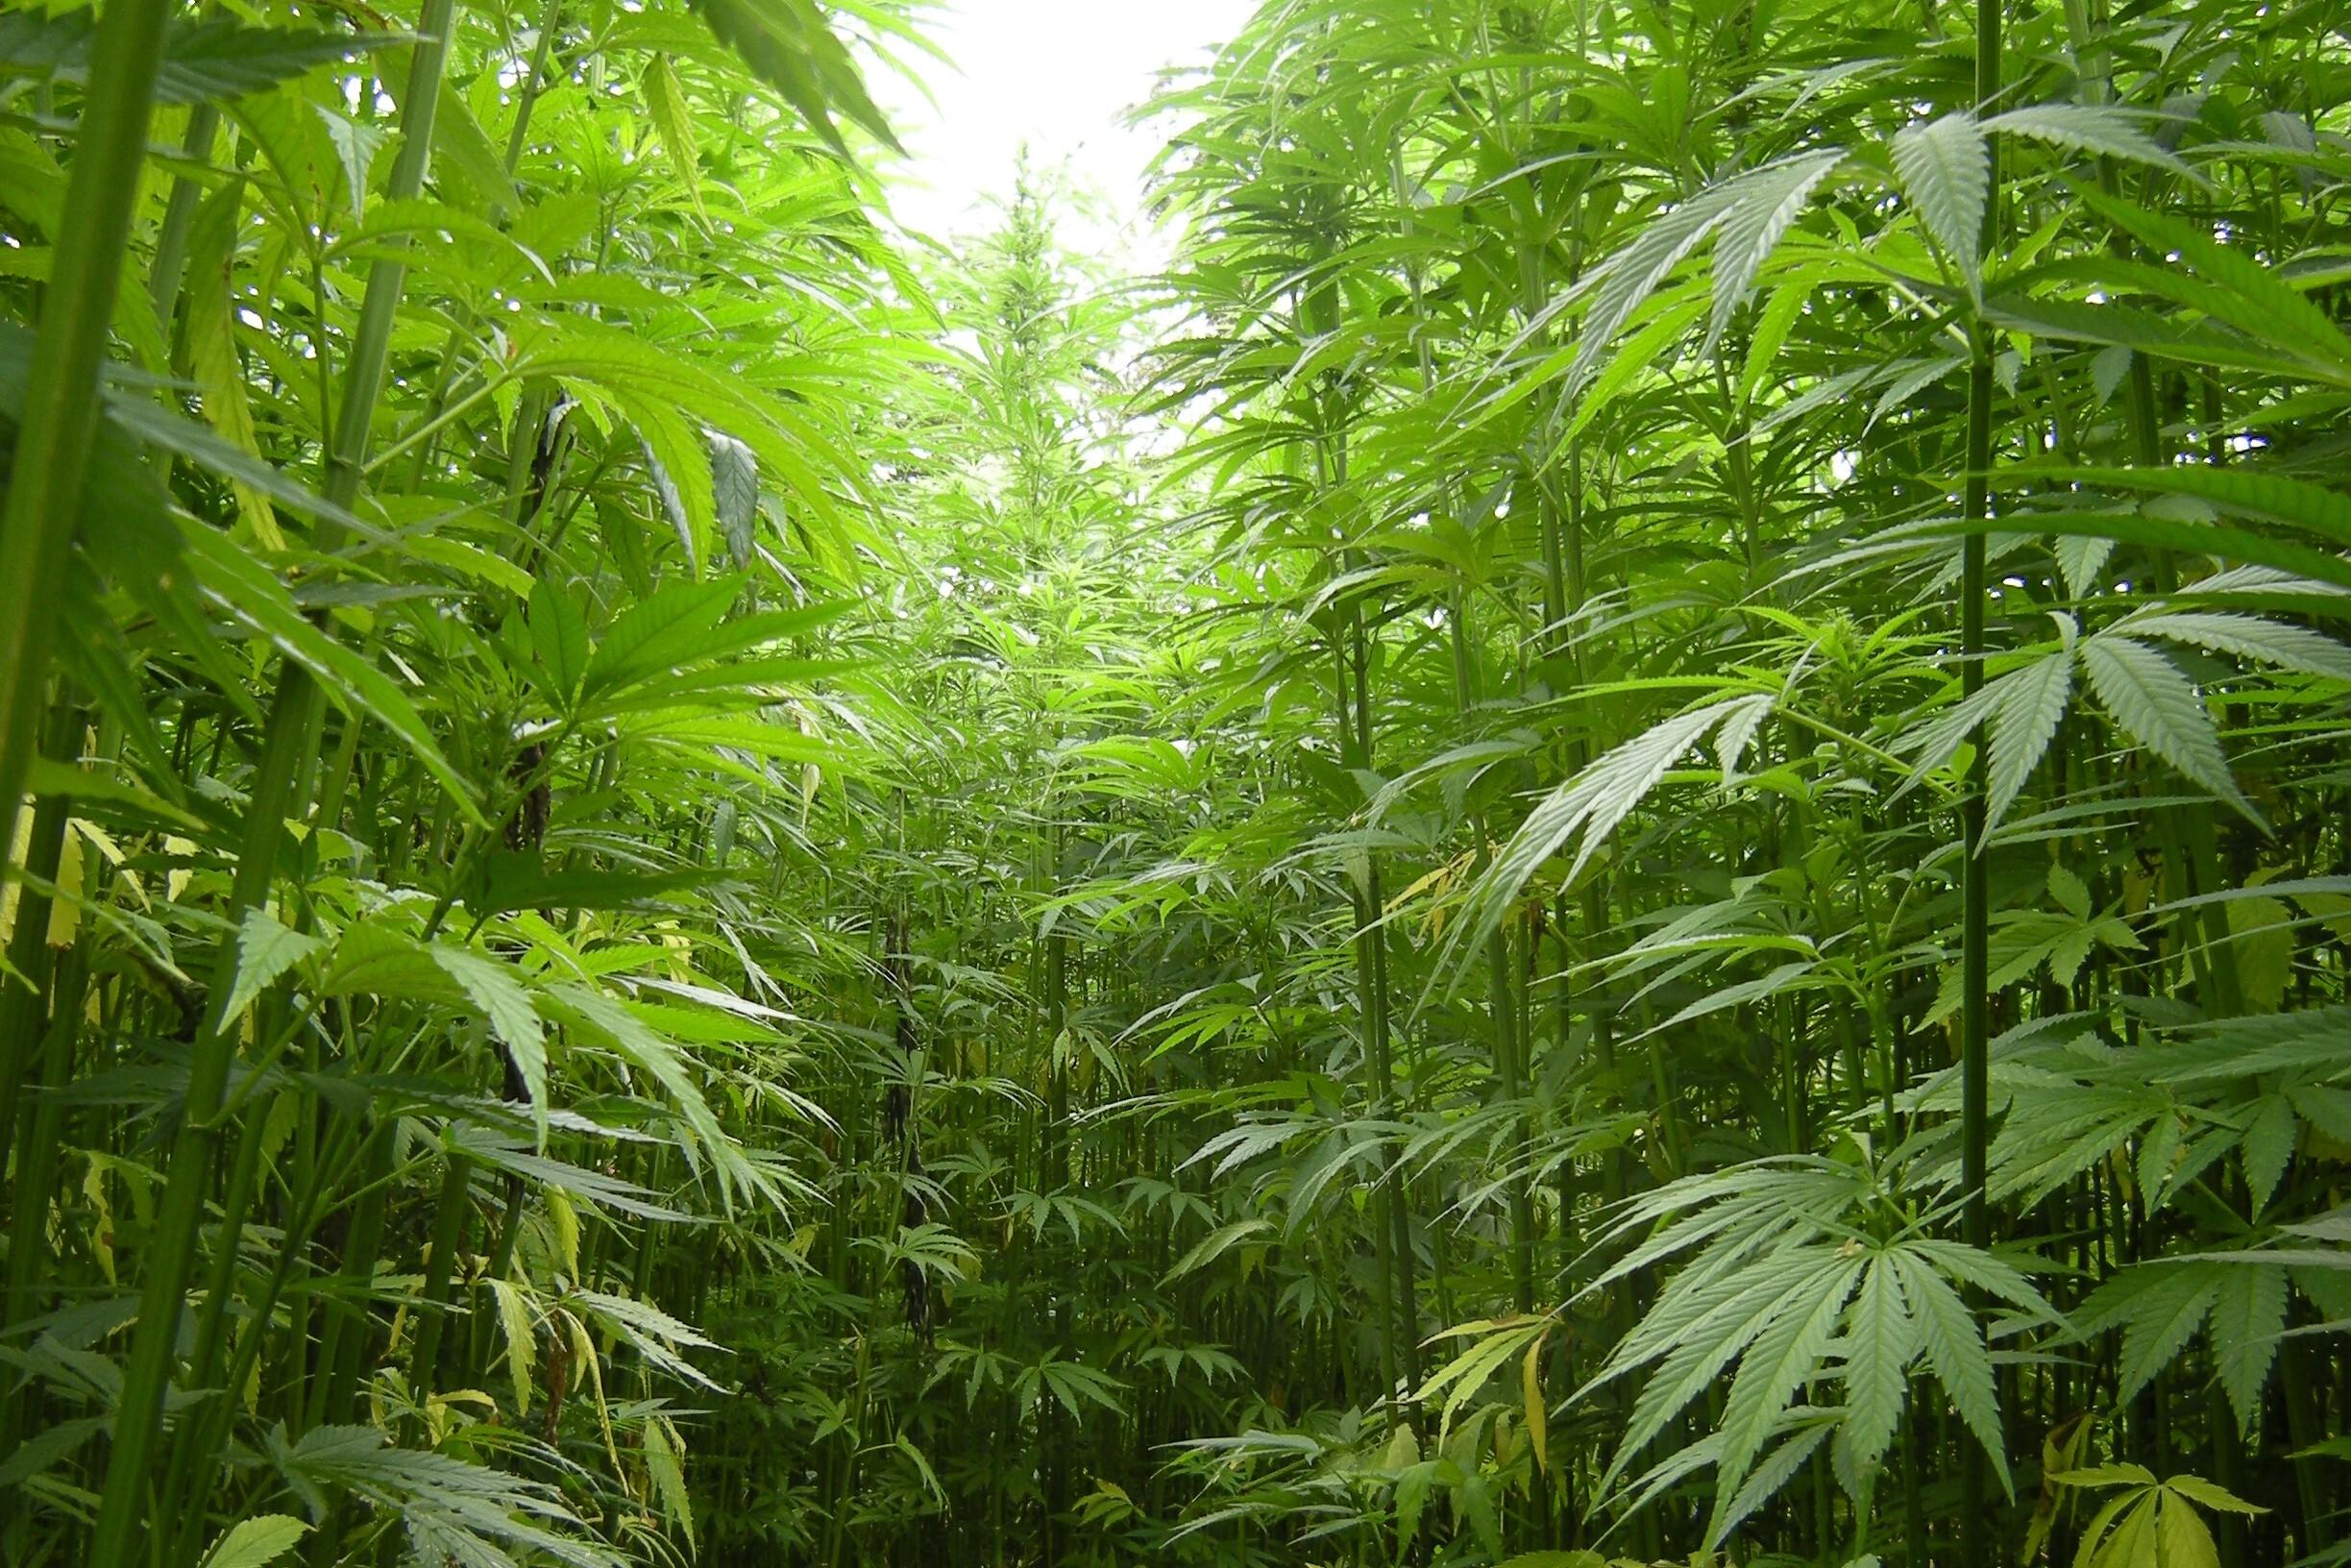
60, 415
21, 998
1975, 943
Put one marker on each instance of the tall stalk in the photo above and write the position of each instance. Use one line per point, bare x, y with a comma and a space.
60, 414
1975, 896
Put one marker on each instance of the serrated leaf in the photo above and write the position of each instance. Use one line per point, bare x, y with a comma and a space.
2272, 497
1214, 1246
257, 1542
2212, 1495
1954, 1348
505, 1004
2248, 295
788, 45
522, 1339
2104, 129
2162, 1318
2032, 704
1766, 202
2248, 636
734, 483
558, 641
1781, 1360
2248, 1317
356, 145
665, 102
1881, 1340
265, 950
1947, 172
2155, 704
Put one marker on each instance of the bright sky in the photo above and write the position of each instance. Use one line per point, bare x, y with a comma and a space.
1056, 75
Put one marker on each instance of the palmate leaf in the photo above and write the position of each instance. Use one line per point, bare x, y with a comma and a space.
1747, 1311
1619, 285
1768, 200
1946, 171
1591, 804
2159, 1306
599, 1017
265, 950
1798, 1305
2158, 707
1749, 213
789, 45
212, 58
451, 1508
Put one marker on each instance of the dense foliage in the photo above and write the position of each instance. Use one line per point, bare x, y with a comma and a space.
1625, 835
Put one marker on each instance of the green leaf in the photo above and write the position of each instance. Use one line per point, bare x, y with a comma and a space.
257, 1542
558, 641
1954, 1348
2102, 129
665, 1466
1591, 804
2032, 704
2246, 492
1946, 171
2269, 1147
789, 45
1881, 1340
734, 481
2248, 1318
2163, 1315
2266, 306
2157, 706
522, 1340
216, 58
665, 102
505, 1004
678, 624
2270, 642
255, 597
356, 144
1214, 1246
1781, 1360
1767, 202
2211, 1494
265, 950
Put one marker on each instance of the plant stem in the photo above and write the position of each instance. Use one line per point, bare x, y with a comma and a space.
62, 402
1976, 945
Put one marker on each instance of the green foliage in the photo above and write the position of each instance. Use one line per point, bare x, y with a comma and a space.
686, 889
